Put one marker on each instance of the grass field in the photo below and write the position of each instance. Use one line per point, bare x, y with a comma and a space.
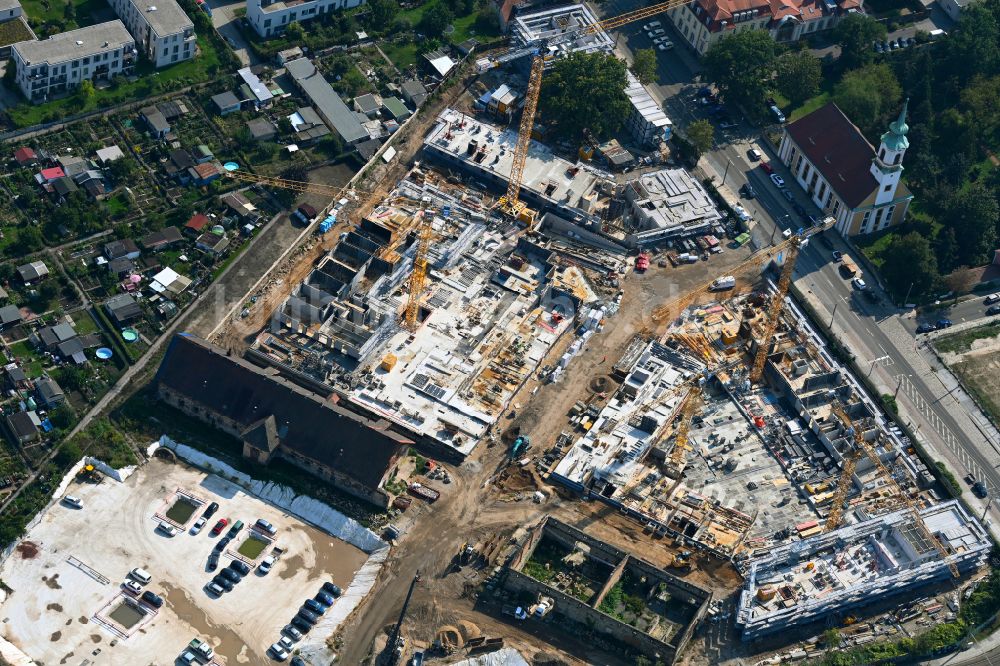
978, 369
88, 12
12, 32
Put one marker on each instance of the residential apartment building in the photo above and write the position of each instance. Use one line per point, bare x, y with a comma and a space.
702, 23
60, 63
162, 31
844, 175
270, 18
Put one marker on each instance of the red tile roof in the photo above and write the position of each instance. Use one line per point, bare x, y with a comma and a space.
197, 222
24, 155
53, 173
838, 150
206, 170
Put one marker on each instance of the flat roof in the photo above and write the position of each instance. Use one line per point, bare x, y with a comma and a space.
555, 24
670, 198
326, 100
165, 17
79, 43
644, 103
545, 173
257, 86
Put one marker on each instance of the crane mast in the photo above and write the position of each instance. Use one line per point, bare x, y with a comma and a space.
510, 203
918, 521
419, 275
675, 466
773, 312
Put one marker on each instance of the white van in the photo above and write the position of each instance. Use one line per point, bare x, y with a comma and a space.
140, 575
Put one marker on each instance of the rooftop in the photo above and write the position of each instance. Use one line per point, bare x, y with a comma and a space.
670, 199
165, 17
329, 104
489, 148
79, 43
557, 26
837, 148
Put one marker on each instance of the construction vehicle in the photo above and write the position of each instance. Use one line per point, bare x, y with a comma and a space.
861, 444
681, 560
521, 445
394, 645
542, 608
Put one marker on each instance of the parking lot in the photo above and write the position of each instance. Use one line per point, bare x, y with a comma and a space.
68, 603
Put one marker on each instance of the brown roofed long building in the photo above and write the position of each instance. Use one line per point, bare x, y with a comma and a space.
844, 174
703, 23
273, 417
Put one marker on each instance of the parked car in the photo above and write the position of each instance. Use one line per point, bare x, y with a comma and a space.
314, 606
991, 299
210, 511
926, 328
235, 529
230, 574
332, 589
788, 195
132, 586
655, 33
652, 25
665, 46
73, 501
766, 166
777, 180
776, 112
214, 588
308, 615
222, 543
944, 323
859, 284
755, 155
198, 525
324, 598
213, 560
219, 526
301, 624
994, 310
240, 567
877, 45
292, 632
979, 490
838, 255
747, 191
278, 652
152, 598
265, 565
265, 526
167, 529
223, 582
297, 661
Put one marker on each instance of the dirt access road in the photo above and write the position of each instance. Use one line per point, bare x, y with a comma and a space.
471, 507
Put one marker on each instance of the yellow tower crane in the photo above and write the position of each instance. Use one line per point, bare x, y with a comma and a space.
510, 203
419, 275
864, 446
675, 466
284, 183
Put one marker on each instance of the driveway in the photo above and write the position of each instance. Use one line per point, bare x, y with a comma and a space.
224, 19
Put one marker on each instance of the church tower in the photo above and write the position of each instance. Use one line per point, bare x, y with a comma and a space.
887, 167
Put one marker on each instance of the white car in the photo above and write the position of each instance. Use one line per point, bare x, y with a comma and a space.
652, 25
132, 586
859, 284
265, 565
198, 524
73, 501
278, 652
666, 46
652, 34
777, 180
167, 529
755, 155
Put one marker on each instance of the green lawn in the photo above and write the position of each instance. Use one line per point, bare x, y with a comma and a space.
84, 323
403, 54
30, 360
149, 82
962, 342
809, 106
88, 12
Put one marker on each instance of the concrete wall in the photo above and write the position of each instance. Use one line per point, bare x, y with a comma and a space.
564, 227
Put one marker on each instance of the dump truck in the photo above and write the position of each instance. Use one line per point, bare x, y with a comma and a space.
201, 648
723, 283
423, 492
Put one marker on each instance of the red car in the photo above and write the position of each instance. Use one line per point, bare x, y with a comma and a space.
766, 166
219, 526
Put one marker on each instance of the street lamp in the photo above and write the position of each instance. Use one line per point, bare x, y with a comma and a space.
906, 299
729, 163
898, 384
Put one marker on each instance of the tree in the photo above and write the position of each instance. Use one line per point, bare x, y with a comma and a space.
10, 74
855, 33
742, 66
831, 637
28, 240
435, 20
701, 134
946, 250
910, 260
644, 65
798, 76
69, 12
381, 13
86, 92
585, 90
974, 215
295, 32
868, 96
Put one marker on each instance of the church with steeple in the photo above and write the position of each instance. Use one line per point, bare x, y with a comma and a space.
844, 175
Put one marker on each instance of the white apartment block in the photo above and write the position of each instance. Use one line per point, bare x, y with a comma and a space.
163, 32
60, 63
270, 18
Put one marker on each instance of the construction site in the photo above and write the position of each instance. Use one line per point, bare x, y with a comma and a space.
632, 446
